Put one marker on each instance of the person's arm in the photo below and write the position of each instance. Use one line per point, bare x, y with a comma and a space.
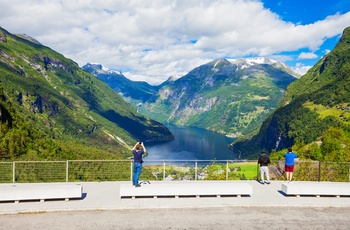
296, 159
134, 148
144, 148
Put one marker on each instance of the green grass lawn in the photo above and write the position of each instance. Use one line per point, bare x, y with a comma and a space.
249, 169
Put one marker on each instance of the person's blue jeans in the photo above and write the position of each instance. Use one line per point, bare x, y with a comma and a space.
137, 172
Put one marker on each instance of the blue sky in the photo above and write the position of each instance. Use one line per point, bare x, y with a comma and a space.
302, 12
306, 11
155, 39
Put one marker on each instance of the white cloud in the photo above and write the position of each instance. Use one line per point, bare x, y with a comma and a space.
301, 68
304, 55
154, 38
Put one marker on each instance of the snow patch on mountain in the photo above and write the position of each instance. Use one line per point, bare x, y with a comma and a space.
105, 69
243, 63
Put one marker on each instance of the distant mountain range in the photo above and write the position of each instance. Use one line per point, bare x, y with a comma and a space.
136, 90
51, 109
232, 97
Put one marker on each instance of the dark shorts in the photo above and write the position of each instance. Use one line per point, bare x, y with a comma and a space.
289, 168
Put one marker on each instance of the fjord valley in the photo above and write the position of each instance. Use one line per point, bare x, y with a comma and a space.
51, 109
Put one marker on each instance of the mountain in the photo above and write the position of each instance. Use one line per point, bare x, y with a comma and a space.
52, 109
313, 108
229, 97
130, 90
232, 97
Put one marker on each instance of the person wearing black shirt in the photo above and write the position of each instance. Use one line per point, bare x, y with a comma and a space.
264, 161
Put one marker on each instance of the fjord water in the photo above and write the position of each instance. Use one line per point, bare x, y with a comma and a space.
192, 144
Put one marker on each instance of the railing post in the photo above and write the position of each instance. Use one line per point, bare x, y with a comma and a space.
131, 171
319, 171
195, 170
13, 172
163, 170
67, 172
226, 169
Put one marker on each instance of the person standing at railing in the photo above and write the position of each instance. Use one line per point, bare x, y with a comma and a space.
264, 161
289, 164
138, 150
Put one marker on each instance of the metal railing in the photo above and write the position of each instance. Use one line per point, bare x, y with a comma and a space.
122, 170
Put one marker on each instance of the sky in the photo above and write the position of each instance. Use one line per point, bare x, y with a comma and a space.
151, 40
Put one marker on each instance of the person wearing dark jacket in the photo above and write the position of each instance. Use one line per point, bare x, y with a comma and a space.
264, 161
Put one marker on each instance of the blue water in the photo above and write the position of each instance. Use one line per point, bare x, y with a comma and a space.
192, 144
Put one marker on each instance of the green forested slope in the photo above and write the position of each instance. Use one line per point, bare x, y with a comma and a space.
315, 107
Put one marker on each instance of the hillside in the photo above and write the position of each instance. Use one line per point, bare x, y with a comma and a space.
52, 109
314, 107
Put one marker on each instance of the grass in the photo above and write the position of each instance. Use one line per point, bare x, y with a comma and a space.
249, 169
323, 111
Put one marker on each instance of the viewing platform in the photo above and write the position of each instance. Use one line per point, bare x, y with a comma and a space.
196, 189
111, 196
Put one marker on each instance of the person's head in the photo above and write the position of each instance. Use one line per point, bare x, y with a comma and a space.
138, 146
290, 150
262, 152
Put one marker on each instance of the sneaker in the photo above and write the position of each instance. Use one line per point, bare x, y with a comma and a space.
267, 182
262, 182
138, 185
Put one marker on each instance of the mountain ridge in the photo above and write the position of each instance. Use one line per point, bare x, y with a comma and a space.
191, 99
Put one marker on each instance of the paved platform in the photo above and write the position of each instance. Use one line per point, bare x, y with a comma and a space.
197, 189
106, 196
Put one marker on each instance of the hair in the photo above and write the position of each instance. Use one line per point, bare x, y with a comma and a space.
290, 150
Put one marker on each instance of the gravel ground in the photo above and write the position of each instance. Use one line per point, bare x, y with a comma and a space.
198, 218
